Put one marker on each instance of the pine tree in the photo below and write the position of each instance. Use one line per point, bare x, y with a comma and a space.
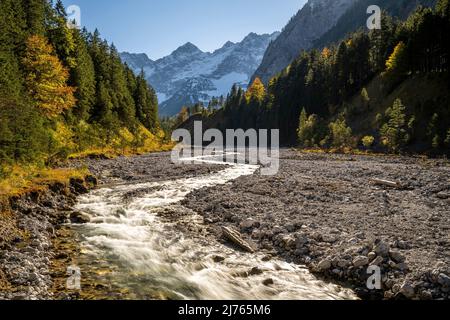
60, 9
46, 78
382, 43
302, 127
61, 36
36, 12
83, 78
122, 98
394, 133
102, 111
146, 103
12, 25
433, 131
11, 81
23, 137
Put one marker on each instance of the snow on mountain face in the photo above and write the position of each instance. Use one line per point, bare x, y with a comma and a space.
189, 75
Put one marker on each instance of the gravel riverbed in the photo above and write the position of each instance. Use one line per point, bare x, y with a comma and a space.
325, 211
320, 210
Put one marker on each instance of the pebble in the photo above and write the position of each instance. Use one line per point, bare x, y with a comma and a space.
407, 290
381, 249
378, 261
249, 224
426, 295
444, 280
324, 265
360, 261
397, 256
371, 256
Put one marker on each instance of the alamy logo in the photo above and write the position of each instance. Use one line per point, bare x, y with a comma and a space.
239, 147
73, 17
374, 21
374, 281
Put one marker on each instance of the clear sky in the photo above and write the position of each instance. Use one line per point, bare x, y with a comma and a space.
157, 27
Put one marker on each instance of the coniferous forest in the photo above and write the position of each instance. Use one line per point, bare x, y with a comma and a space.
385, 90
65, 91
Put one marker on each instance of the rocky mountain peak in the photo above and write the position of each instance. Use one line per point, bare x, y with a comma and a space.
189, 75
187, 49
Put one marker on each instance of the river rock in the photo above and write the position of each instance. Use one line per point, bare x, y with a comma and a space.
426, 295
79, 217
371, 256
277, 230
381, 249
288, 241
255, 271
388, 295
444, 280
397, 256
407, 290
330, 238
249, 224
78, 186
360, 261
291, 227
300, 241
377, 261
218, 259
404, 245
324, 265
402, 266
443, 195
91, 180
268, 282
343, 263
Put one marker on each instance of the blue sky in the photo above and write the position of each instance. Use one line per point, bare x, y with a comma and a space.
157, 27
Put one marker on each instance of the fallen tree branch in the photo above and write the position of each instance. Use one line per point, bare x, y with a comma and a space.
236, 238
386, 183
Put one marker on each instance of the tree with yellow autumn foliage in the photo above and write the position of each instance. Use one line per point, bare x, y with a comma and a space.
256, 91
46, 78
396, 59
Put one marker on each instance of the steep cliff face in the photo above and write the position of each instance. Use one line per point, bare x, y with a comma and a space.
308, 25
356, 17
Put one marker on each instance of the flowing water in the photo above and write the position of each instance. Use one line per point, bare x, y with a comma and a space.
130, 248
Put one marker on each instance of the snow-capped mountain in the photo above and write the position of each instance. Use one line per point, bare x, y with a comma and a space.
189, 75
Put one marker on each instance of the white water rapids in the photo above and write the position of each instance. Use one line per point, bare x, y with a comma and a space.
130, 248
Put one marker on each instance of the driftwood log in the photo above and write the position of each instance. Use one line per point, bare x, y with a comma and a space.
236, 238
386, 183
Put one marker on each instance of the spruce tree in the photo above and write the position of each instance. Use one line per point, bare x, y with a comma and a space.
36, 12
121, 96
394, 133
61, 36
83, 78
